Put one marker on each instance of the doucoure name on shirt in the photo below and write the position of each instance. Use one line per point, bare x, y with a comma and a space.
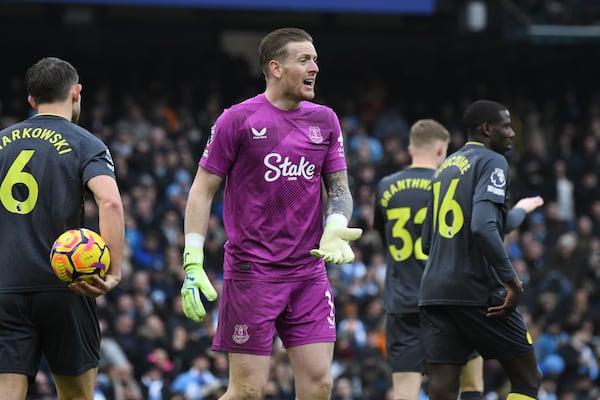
49, 135
460, 162
403, 184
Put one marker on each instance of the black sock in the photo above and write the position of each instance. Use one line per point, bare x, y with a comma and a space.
471, 396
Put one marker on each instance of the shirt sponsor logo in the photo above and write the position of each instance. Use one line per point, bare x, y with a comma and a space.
262, 134
314, 133
240, 334
278, 166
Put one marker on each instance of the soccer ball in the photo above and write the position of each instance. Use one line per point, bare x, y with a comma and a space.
79, 254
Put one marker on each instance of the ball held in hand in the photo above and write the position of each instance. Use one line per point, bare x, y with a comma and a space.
79, 254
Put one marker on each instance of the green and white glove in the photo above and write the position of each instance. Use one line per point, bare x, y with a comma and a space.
196, 281
334, 246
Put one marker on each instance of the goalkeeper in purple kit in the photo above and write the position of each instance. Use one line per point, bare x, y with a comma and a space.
274, 152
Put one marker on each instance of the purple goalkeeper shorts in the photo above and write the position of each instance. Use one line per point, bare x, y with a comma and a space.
250, 312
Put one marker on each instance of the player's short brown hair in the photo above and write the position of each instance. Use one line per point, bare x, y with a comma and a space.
50, 79
272, 46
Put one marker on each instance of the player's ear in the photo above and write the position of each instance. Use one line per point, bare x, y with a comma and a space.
440, 149
76, 92
31, 102
486, 128
409, 149
275, 68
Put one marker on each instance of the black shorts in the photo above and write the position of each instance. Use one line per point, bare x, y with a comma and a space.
404, 343
60, 324
452, 333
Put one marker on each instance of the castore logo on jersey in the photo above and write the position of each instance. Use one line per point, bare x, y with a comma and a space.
256, 134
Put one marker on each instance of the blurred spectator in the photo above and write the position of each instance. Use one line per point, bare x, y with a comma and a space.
134, 122
367, 147
565, 197
177, 192
171, 228
394, 158
547, 344
532, 167
42, 387
352, 328
343, 390
154, 386
119, 383
159, 359
565, 266
198, 381
581, 364
150, 255
391, 122
282, 380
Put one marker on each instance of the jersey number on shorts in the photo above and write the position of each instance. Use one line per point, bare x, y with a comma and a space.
402, 215
448, 205
15, 176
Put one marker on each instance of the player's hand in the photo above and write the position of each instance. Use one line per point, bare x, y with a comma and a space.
195, 281
514, 289
530, 203
96, 286
334, 246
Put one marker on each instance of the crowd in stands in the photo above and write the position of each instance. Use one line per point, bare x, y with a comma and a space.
151, 351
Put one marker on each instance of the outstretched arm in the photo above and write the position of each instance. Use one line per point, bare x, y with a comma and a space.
517, 214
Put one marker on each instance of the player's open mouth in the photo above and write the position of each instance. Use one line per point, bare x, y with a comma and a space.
309, 82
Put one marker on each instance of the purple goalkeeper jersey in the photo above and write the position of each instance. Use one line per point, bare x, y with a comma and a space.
272, 161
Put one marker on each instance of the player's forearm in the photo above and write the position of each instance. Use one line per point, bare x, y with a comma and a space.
197, 210
488, 239
197, 214
112, 230
199, 202
111, 219
514, 218
339, 199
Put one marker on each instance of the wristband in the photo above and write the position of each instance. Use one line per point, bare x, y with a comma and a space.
336, 219
194, 240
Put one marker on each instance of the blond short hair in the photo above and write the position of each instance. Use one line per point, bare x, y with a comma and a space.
425, 132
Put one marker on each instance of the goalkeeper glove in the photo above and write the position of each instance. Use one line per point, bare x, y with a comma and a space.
195, 281
334, 245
